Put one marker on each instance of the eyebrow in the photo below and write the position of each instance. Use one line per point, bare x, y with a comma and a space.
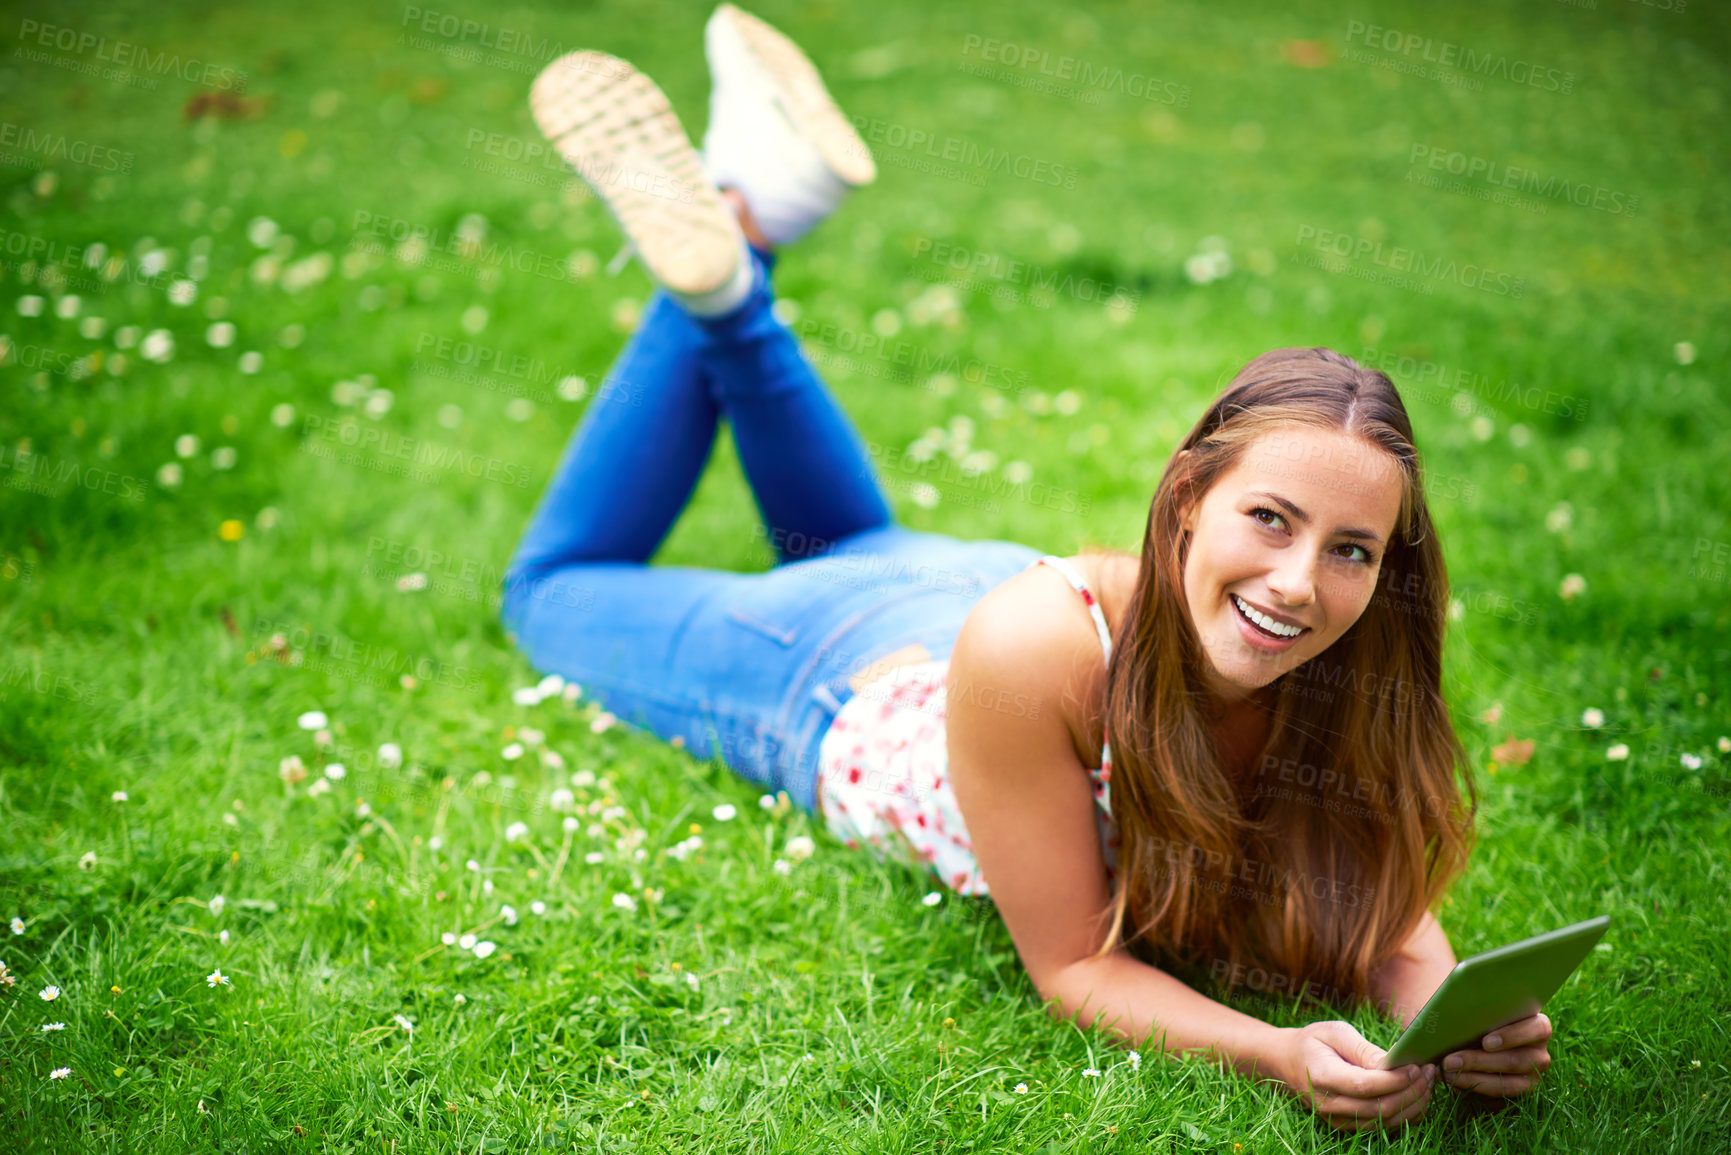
1304, 518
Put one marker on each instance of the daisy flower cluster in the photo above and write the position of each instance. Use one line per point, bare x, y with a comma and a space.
293, 770
1594, 718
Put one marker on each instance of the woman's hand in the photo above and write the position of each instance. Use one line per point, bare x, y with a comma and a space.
1510, 1063
1333, 1069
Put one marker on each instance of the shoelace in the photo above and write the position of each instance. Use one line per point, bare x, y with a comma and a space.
621, 258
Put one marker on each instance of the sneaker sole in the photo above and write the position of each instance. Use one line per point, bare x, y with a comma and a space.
617, 129
803, 97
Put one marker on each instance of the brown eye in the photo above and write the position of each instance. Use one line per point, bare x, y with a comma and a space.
1258, 512
1364, 557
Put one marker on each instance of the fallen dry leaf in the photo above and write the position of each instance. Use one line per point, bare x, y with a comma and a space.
1305, 53
1513, 751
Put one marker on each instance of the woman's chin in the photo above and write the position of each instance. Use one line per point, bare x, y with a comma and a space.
1249, 670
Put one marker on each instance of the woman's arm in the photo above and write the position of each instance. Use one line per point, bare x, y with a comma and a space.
1507, 1063
1027, 802
1402, 985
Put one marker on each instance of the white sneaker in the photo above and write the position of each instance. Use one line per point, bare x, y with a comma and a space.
617, 129
775, 133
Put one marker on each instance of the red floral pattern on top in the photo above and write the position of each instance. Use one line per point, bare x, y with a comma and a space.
883, 770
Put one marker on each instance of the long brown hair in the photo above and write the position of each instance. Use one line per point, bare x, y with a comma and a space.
1356, 824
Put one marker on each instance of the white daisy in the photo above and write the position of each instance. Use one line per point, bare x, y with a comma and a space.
403, 1022
537, 907
1021, 1088
1617, 753
158, 346
313, 720
449, 938
932, 899
767, 802
1691, 761
516, 831
120, 796
216, 904
594, 858
216, 978
509, 914
467, 942
800, 848
390, 755
17, 925
570, 824
624, 902
1592, 718
1090, 1072
483, 949
725, 812
512, 752
53, 1027
59, 1072
336, 771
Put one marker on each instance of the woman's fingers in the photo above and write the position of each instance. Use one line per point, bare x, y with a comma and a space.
1348, 1065
1387, 1113
1499, 1086
1521, 1033
1521, 1061
1376, 1110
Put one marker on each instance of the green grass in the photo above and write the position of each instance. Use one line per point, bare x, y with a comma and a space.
833, 1011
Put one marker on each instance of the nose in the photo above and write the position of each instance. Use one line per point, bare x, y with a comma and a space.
1294, 581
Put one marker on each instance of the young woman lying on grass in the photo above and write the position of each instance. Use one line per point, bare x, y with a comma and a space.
1124, 751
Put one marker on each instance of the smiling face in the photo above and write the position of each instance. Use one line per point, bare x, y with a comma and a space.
1285, 550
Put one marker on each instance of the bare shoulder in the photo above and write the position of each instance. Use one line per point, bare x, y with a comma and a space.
1024, 694
1030, 649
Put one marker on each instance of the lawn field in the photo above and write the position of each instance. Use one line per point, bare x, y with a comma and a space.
297, 851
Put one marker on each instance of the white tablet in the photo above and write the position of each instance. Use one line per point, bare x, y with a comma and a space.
1493, 989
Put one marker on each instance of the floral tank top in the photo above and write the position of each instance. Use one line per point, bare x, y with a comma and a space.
883, 770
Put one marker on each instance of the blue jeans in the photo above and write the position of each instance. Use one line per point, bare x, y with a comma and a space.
747, 667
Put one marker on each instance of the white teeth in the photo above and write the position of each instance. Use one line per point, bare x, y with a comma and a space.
1265, 621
